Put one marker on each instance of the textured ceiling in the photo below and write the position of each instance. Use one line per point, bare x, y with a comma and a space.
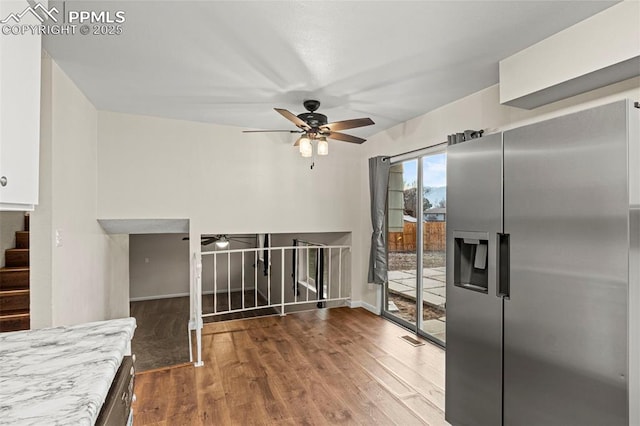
232, 62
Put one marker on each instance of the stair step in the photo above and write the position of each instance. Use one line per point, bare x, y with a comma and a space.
22, 239
15, 322
16, 257
26, 222
14, 278
14, 301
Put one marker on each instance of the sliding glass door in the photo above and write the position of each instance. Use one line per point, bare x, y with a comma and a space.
416, 235
402, 232
434, 193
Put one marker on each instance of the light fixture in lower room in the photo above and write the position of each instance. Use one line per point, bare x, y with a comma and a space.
323, 146
222, 242
306, 149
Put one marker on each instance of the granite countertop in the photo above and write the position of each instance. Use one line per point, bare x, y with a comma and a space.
60, 376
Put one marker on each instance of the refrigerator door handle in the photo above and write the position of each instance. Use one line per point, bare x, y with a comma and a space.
503, 266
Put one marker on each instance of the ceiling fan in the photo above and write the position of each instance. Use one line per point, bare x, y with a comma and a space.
222, 241
314, 126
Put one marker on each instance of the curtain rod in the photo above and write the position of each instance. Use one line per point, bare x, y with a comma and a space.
390, 157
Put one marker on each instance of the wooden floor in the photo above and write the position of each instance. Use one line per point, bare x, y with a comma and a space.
335, 366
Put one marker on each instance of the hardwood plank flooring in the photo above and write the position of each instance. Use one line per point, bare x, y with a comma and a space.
329, 366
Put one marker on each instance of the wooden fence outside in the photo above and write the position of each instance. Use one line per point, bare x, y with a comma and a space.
434, 237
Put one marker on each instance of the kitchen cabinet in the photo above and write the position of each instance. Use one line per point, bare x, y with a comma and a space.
20, 57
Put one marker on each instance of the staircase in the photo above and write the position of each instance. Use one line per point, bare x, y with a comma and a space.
14, 284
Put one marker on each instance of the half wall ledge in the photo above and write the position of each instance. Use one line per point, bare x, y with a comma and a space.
145, 226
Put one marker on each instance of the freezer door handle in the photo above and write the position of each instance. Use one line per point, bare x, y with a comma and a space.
503, 266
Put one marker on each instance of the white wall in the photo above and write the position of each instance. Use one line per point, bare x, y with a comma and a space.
481, 110
10, 222
222, 180
158, 266
117, 275
85, 279
40, 235
219, 178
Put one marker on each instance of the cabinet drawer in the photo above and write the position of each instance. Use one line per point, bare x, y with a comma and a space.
117, 406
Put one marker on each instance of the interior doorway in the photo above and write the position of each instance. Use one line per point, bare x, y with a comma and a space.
414, 295
159, 299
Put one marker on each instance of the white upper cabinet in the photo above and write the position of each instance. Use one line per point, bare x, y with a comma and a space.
20, 56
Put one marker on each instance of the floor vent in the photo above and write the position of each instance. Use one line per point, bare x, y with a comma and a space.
412, 341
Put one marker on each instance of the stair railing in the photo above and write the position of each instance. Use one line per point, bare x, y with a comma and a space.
296, 276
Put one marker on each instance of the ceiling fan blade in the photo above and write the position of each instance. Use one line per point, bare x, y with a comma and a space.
272, 131
207, 241
240, 241
293, 118
345, 138
202, 237
349, 124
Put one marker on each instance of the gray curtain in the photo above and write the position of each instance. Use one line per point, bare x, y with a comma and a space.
378, 183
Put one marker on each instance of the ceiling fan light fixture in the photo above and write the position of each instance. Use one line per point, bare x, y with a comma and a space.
222, 242
306, 149
315, 126
323, 146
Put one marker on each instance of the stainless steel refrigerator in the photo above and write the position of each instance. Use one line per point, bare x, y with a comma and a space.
543, 226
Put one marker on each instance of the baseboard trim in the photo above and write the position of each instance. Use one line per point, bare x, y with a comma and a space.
157, 297
365, 305
224, 290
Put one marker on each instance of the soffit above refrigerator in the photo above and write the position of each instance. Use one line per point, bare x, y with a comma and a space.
605, 49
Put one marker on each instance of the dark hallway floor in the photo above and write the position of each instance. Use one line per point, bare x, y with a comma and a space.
161, 338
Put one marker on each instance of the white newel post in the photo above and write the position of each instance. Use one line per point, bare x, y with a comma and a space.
282, 283
198, 306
